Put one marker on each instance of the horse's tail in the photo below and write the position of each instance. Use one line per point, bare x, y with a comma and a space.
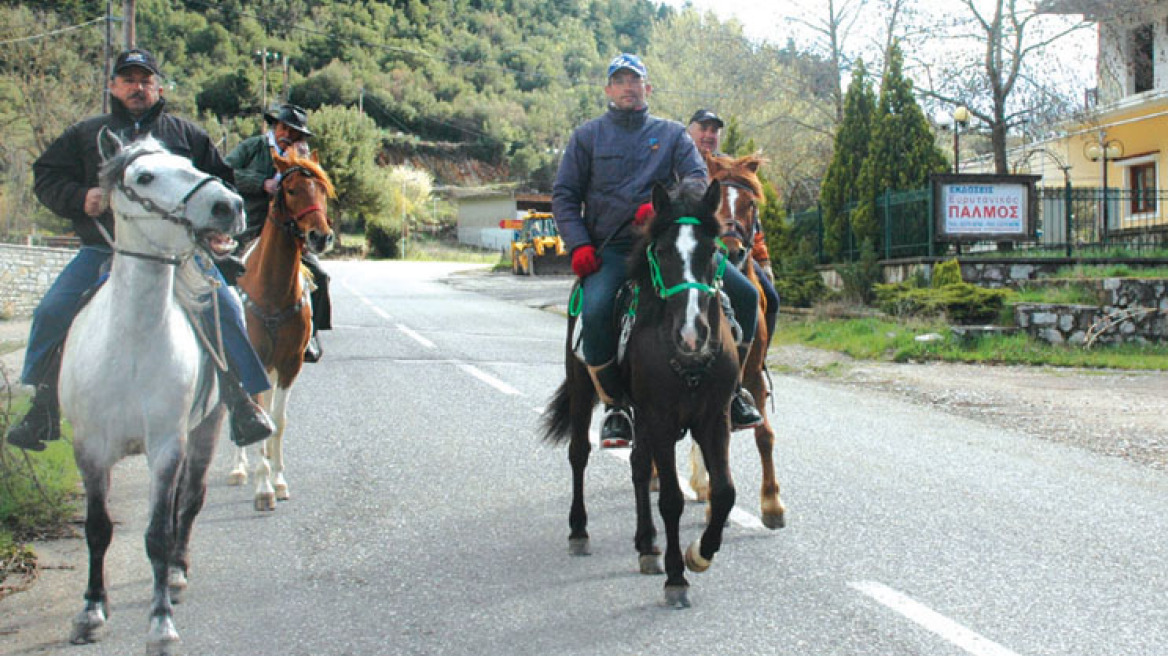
557, 417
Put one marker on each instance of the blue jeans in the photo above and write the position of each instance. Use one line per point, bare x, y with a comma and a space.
600, 290
58, 308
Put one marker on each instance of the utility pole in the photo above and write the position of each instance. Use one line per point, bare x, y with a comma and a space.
128, 9
109, 37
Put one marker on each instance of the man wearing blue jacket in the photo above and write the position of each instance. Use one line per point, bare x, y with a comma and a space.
606, 176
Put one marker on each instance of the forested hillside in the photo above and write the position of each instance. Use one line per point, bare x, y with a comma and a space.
499, 83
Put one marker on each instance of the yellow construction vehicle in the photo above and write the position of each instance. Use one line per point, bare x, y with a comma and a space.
536, 247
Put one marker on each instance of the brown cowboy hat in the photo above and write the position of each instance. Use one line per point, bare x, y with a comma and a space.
293, 116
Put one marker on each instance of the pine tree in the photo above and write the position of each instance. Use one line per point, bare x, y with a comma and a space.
851, 148
901, 155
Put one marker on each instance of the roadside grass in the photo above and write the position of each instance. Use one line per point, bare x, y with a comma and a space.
427, 248
39, 495
877, 338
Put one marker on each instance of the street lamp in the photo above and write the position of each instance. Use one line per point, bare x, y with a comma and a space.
960, 120
1104, 150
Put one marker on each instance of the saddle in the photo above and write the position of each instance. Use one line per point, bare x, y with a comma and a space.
624, 317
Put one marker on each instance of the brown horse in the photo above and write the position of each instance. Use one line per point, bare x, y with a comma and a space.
738, 214
680, 369
279, 315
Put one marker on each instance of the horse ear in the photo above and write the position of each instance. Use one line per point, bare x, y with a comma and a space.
714, 164
660, 199
315, 158
752, 163
713, 197
280, 161
108, 144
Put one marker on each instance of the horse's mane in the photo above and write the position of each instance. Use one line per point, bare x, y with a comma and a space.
685, 199
743, 170
314, 168
112, 169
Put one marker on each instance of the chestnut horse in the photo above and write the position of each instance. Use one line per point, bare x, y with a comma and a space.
738, 214
279, 315
680, 369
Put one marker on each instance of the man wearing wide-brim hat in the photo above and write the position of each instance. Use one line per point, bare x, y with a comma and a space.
258, 181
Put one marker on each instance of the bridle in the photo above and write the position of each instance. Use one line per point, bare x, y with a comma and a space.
176, 215
290, 225
736, 230
664, 292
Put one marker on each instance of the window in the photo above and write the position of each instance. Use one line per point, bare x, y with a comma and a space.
1143, 58
1142, 181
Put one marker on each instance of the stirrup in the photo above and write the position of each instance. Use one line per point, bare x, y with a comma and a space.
743, 413
617, 429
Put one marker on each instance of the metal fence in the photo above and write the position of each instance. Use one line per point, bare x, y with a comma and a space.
1070, 222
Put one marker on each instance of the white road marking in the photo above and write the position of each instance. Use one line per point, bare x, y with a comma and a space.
361, 297
415, 336
489, 379
929, 619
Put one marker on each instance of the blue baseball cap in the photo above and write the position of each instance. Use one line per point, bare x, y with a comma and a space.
629, 61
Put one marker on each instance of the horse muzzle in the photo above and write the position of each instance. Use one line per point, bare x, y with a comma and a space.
320, 242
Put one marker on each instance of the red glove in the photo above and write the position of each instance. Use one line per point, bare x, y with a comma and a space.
645, 213
584, 261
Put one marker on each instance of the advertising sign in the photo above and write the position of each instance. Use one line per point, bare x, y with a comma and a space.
976, 207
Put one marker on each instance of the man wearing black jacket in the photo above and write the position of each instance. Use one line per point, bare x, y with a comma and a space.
66, 182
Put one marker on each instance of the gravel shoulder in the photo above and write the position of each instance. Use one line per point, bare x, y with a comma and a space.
1114, 413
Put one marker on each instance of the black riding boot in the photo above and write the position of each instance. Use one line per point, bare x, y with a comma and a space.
42, 423
617, 430
743, 413
249, 422
322, 307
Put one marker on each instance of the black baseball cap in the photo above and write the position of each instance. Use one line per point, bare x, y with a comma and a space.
293, 116
703, 115
139, 58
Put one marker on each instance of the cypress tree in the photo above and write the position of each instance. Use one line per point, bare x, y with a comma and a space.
901, 155
851, 149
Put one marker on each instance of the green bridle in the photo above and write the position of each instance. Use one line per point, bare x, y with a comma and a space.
655, 269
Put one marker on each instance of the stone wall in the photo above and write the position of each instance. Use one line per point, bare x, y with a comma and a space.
1131, 310
26, 272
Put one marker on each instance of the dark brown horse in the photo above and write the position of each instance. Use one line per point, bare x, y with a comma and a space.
279, 315
680, 368
738, 214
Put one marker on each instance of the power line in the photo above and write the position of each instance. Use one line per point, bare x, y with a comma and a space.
53, 33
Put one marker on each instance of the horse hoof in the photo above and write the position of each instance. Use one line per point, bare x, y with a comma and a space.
177, 584
265, 502
676, 597
693, 558
579, 547
774, 521
651, 564
236, 478
162, 640
282, 493
88, 626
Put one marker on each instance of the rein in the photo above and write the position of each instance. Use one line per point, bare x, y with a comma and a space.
664, 292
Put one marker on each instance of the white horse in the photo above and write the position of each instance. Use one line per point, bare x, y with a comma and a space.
133, 373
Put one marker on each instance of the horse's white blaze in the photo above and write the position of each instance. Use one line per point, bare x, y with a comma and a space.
731, 200
686, 243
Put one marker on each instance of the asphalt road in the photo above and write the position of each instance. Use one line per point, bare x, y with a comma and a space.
427, 518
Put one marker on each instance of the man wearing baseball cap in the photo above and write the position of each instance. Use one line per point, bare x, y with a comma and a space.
604, 182
259, 181
66, 181
705, 128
